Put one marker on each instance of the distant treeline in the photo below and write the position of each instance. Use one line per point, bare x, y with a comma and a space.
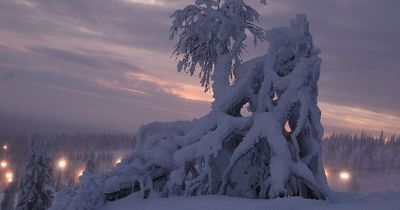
76, 149
362, 152
340, 151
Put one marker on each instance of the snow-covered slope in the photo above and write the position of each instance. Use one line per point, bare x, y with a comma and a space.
346, 201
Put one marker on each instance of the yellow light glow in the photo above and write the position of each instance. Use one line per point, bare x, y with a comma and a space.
62, 163
9, 180
3, 164
326, 173
344, 175
9, 175
80, 173
118, 161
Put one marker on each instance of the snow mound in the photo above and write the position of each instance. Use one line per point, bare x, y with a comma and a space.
348, 201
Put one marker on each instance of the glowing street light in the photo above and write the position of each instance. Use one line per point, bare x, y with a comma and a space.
9, 177
5, 147
118, 161
62, 164
3, 164
344, 175
80, 173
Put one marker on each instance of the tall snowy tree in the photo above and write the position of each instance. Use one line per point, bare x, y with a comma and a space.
211, 35
275, 151
36, 192
9, 197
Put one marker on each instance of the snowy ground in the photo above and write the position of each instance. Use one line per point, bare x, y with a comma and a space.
346, 201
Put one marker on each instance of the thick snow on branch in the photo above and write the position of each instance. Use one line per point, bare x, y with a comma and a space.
212, 142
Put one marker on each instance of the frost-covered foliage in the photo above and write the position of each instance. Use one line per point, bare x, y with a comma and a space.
8, 197
273, 152
35, 188
211, 35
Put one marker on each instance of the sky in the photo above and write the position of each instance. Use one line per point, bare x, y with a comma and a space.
106, 66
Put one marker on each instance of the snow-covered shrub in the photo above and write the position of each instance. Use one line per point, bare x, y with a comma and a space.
87, 195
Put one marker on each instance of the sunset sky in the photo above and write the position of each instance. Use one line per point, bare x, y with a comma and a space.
105, 65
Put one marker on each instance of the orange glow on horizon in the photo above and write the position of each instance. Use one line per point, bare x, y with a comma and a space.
183, 90
148, 2
357, 119
333, 115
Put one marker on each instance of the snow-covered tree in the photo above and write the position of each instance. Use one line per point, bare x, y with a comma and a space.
90, 188
275, 151
91, 164
87, 195
211, 35
36, 192
9, 197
